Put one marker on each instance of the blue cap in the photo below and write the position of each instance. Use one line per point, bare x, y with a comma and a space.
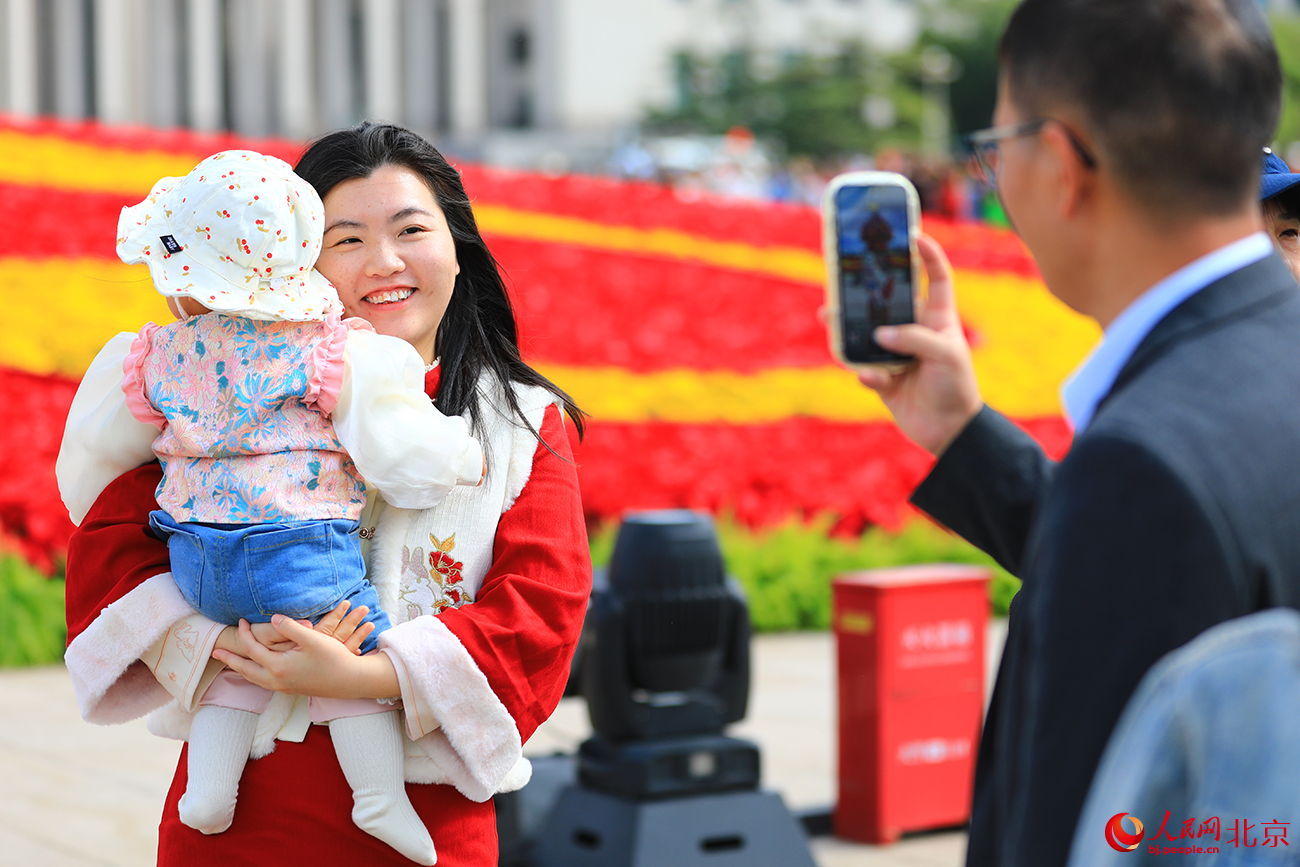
1277, 176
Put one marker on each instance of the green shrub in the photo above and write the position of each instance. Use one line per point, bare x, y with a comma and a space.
786, 570
32, 627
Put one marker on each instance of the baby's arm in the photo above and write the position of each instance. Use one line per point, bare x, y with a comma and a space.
183, 659
102, 439
399, 441
134, 642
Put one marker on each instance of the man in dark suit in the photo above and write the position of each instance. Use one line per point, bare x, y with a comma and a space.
1126, 152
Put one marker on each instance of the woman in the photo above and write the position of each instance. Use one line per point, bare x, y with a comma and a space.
487, 590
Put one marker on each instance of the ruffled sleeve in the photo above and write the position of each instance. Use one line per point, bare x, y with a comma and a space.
133, 379
381, 400
103, 437
327, 363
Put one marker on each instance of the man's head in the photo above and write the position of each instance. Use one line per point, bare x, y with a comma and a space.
1176, 97
1279, 198
1159, 107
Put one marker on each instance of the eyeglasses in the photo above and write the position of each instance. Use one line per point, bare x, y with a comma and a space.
986, 144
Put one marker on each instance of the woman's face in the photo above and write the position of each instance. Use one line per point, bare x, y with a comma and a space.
389, 253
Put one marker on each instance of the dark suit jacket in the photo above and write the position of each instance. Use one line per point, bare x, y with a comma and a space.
1177, 508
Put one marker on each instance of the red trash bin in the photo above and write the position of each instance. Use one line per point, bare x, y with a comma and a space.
910, 648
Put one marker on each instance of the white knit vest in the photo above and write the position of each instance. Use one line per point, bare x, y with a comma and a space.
422, 562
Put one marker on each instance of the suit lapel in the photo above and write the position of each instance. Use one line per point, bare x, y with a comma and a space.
1239, 293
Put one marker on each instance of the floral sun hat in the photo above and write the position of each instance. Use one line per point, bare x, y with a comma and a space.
239, 234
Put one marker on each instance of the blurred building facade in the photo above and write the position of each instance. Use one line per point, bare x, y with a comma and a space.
503, 78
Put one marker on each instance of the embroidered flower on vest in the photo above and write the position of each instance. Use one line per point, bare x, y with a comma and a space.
447, 570
432, 590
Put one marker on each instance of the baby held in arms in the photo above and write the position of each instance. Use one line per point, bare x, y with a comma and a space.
272, 415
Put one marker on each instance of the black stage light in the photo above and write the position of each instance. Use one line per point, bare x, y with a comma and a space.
665, 667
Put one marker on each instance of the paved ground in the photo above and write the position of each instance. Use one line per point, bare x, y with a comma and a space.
77, 794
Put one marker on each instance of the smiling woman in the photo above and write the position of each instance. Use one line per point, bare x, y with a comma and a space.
396, 269
484, 624
376, 179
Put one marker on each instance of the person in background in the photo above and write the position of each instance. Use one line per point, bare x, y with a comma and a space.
1126, 153
1203, 757
1279, 198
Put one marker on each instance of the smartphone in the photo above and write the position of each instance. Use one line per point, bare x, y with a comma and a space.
870, 221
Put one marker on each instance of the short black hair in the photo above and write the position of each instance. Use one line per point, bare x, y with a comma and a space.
1177, 96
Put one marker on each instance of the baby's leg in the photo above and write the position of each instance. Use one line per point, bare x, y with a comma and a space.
369, 749
220, 741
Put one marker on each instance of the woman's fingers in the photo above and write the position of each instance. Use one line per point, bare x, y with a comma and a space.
293, 630
245, 668
248, 667
312, 663
268, 667
268, 636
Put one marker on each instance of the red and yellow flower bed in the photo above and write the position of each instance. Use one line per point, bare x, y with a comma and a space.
688, 330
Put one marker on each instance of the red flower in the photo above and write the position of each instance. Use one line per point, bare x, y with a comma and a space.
448, 568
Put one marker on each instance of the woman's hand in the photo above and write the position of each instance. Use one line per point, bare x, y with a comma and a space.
342, 624
936, 396
316, 663
265, 633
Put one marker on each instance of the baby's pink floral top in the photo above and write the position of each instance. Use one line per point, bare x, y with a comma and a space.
242, 408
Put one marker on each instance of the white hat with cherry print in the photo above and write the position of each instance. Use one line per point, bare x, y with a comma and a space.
239, 234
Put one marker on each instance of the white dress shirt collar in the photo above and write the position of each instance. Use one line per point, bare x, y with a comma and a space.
1093, 379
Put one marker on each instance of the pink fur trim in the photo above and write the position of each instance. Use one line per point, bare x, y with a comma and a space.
133, 379
477, 745
112, 685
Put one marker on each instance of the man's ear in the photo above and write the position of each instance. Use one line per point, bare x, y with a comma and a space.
1076, 178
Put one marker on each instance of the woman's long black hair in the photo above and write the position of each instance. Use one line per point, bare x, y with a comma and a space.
478, 332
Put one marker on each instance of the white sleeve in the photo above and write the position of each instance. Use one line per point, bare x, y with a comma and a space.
399, 441
101, 439
450, 709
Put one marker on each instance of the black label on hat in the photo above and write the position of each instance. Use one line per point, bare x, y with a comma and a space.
170, 243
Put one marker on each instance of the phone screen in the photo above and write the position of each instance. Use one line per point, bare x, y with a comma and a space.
875, 267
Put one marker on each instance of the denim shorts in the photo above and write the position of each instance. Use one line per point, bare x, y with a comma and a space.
299, 569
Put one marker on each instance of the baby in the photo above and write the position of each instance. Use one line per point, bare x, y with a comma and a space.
270, 411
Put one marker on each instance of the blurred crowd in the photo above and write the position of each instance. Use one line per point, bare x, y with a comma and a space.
737, 165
